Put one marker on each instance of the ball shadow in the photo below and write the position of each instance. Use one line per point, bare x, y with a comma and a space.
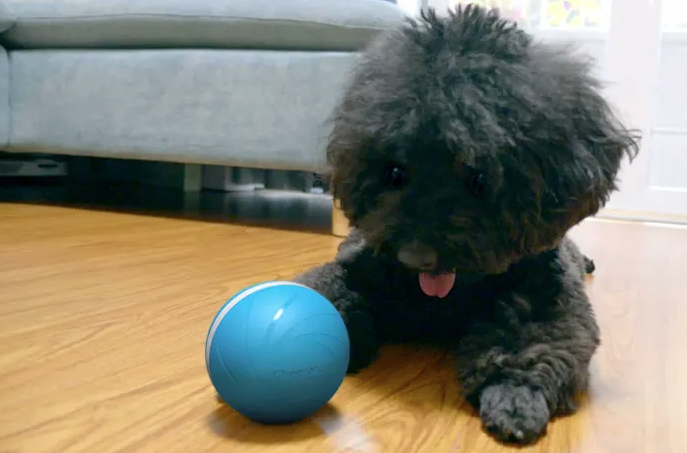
227, 423
414, 375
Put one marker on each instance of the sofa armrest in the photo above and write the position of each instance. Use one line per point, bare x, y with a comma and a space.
6, 19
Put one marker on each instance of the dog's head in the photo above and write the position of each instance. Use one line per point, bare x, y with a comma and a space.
462, 145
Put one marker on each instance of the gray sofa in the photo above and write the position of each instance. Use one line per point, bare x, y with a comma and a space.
230, 82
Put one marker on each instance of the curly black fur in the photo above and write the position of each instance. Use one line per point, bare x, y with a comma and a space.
464, 146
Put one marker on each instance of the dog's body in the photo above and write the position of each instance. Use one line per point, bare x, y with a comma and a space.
462, 153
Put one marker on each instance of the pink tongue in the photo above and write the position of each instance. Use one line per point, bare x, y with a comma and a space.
437, 285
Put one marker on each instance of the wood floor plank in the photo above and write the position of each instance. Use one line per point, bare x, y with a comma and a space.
103, 318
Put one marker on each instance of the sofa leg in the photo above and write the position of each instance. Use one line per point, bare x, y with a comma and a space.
340, 226
192, 185
193, 178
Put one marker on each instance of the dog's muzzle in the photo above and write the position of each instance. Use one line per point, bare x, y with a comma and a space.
418, 257
424, 259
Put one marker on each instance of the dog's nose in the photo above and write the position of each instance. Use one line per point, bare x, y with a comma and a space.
418, 256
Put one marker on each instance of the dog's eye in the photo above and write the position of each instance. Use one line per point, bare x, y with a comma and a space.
476, 183
396, 177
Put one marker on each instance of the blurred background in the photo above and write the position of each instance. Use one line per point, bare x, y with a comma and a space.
641, 48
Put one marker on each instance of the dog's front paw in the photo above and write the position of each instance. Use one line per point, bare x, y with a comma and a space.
363, 340
514, 414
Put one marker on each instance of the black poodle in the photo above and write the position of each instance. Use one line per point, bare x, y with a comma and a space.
462, 152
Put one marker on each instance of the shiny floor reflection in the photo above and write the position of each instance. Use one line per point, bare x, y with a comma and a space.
270, 208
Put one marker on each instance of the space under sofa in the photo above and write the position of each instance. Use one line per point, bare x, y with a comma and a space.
241, 83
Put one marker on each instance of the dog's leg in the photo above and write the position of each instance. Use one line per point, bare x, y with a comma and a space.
330, 281
520, 372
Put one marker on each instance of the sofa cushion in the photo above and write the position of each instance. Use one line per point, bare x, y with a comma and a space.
6, 19
264, 109
248, 24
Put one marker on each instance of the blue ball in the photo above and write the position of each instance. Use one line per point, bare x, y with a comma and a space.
277, 352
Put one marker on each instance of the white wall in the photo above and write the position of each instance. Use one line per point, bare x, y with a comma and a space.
668, 167
412, 7
669, 159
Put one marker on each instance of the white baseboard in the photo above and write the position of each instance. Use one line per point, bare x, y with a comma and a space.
639, 216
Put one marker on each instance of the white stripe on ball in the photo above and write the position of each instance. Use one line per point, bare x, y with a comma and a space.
238, 298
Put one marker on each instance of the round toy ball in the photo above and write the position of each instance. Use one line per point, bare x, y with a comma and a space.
277, 352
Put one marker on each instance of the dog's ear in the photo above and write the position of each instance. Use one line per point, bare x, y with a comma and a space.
597, 147
347, 175
593, 149
581, 152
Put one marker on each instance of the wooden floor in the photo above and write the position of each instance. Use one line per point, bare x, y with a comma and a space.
103, 318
